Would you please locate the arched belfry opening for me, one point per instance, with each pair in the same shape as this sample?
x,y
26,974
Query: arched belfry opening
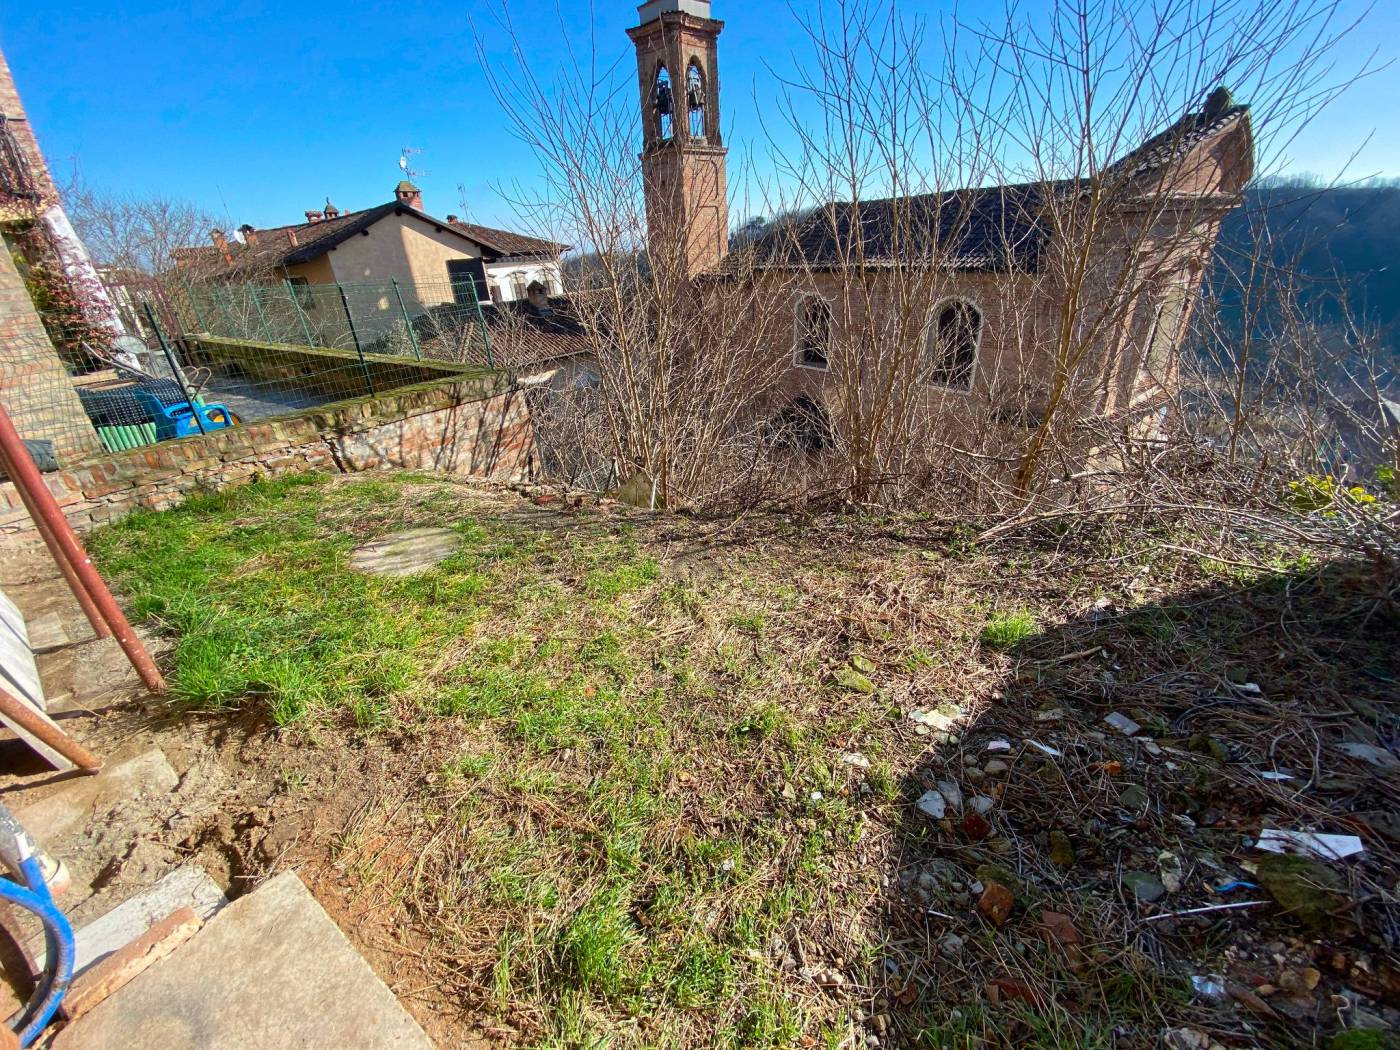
x,y
683,155
663,106
695,102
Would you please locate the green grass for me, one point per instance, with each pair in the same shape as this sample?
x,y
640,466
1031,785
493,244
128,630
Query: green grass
x,y
629,811
1008,630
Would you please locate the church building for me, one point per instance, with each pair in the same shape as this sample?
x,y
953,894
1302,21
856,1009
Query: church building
x,y
991,267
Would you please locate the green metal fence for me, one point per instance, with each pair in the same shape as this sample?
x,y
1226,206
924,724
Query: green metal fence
x,y
435,320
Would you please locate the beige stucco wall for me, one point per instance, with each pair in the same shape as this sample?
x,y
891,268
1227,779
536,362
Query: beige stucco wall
x,y
404,247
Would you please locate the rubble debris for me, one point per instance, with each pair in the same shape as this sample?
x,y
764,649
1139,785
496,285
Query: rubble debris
x,y
950,790
1376,756
1303,887
850,679
1061,850
855,758
933,804
1122,723
995,903
1146,887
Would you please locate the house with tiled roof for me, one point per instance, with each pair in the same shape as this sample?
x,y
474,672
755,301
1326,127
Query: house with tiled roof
x,y
437,260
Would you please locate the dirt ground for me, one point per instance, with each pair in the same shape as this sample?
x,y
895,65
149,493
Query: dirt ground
x,y
1072,884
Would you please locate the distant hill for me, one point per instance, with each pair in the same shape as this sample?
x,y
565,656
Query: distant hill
x,y
1346,240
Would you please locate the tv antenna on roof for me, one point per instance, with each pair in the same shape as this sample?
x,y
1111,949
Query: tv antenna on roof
x,y
409,173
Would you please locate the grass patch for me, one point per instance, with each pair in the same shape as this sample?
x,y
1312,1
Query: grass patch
x,y
1008,630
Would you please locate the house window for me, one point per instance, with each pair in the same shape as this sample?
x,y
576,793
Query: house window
x,y
519,286
952,344
812,333
468,280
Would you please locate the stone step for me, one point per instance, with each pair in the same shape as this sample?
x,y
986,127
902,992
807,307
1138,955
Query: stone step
x,y
270,970
100,828
189,886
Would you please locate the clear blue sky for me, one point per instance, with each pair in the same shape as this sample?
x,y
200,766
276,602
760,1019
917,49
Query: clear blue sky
x,y
259,110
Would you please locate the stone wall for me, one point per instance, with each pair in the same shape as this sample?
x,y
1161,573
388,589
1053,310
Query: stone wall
x,y
478,427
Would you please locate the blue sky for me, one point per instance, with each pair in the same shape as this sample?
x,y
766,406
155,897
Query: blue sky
x,y
258,111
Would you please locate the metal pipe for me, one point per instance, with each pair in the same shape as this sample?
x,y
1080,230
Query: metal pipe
x,y
350,320
175,369
24,716
412,335
75,585
262,317
481,320
301,316
26,476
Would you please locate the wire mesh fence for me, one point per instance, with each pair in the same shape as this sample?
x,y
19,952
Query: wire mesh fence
x,y
179,360
435,320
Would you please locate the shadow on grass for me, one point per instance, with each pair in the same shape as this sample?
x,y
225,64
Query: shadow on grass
x,y
1243,687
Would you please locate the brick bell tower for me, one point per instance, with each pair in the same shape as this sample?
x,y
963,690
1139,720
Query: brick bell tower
x,y
682,151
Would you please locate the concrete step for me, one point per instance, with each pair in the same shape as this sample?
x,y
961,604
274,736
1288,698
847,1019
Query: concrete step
x,y
270,970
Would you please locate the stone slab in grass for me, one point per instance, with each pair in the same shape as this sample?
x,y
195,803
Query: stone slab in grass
x,y
271,970
405,553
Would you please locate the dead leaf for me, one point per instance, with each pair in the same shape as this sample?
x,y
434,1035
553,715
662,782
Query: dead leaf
x,y
996,903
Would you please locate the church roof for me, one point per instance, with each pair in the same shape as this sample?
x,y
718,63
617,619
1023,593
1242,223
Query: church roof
x,y
989,228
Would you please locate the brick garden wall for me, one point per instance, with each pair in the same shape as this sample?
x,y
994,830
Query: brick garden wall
x,y
477,427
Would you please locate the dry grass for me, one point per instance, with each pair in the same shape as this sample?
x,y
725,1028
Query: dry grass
x,y
668,773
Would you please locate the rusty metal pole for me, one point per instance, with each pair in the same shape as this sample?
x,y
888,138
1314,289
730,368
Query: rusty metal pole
x,y
27,478
28,719
75,585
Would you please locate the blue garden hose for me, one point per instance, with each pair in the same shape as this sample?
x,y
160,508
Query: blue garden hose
x,y
58,941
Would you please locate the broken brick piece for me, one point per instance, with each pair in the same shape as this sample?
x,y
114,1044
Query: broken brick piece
x,y
113,972
996,903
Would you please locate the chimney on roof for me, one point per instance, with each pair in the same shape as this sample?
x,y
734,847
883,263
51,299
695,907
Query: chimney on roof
x,y
332,211
452,218
313,216
409,195
221,243
250,235
291,237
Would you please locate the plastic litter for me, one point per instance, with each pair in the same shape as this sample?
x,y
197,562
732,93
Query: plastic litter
x,y
1327,847
1046,748
1232,885
1209,986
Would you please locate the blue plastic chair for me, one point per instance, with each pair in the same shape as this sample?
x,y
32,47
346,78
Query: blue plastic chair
x,y
177,419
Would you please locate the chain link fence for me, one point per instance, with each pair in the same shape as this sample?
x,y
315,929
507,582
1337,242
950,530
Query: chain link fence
x,y
196,359
422,320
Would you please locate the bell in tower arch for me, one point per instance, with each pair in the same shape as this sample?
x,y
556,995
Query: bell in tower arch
x,y
695,100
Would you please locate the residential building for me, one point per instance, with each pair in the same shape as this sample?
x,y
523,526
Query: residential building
x,y
435,260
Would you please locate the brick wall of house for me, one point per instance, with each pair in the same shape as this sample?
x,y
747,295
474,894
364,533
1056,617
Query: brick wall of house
x,y
468,428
